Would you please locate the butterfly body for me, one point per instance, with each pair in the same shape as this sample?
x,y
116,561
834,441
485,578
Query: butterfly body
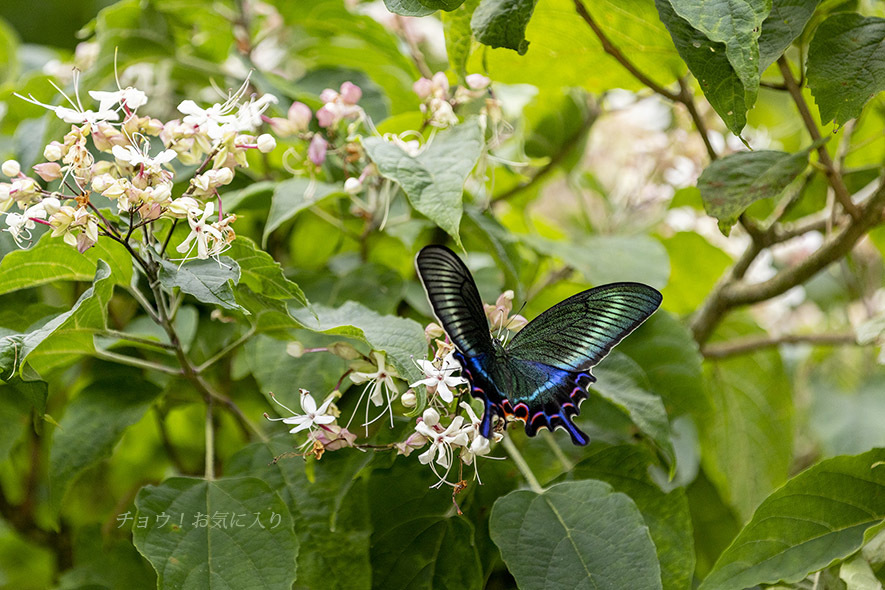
x,y
541,375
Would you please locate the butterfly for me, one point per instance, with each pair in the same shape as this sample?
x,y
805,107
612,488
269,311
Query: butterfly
x,y
541,375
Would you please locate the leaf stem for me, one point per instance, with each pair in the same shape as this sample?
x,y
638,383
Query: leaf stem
x,y
522,465
833,175
136,339
210,442
228,349
136,362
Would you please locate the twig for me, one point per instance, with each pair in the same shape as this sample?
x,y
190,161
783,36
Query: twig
x,y
613,51
833,176
522,465
414,50
228,349
135,362
136,339
739,346
687,98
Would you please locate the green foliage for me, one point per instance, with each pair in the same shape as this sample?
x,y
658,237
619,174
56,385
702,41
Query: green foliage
x,y
594,535
734,435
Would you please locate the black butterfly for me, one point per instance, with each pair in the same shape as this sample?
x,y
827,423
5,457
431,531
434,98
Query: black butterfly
x,y
541,375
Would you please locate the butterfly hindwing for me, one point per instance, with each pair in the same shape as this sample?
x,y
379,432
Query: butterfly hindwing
x,y
455,299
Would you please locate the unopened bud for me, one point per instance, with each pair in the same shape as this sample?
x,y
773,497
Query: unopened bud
x,y
53,151
11,168
409,399
352,185
266,143
295,349
48,171
344,350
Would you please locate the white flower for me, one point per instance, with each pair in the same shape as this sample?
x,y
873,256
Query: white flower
x,y
110,101
201,232
379,385
440,380
479,445
312,417
442,442
249,115
133,156
19,225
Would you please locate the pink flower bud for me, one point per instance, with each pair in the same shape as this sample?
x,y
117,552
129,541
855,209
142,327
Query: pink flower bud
x,y
477,82
48,171
325,117
440,84
317,150
423,88
299,114
350,93
328,95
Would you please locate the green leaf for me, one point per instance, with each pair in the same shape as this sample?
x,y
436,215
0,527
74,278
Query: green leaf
x,y
67,336
292,196
434,179
784,24
746,442
731,184
846,65
408,7
625,468
645,409
502,23
276,370
709,63
817,517
210,281
560,37
610,259
329,506
52,260
670,358
579,534
695,267
18,400
459,37
442,4
262,273
736,24
858,575
9,70
417,542
226,533
100,414
402,339
266,314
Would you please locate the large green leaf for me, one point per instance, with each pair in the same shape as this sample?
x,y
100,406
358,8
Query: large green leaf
x,y
784,24
328,502
408,7
402,339
736,24
560,37
66,336
695,267
18,401
502,23
645,409
417,542
577,534
292,196
52,260
610,259
262,273
119,408
817,517
226,533
277,371
670,358
746,442
731,184
709,63
434,179
210,281
459,37
625,468
846,65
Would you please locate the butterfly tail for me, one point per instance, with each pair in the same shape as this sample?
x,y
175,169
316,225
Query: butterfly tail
x,y
560,413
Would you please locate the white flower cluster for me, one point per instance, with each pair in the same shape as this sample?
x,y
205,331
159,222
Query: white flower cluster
x,y
138,178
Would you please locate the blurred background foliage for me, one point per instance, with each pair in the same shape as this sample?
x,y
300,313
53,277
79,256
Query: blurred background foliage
x,y
592,180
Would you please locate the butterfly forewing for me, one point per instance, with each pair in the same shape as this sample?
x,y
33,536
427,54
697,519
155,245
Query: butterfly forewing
x,y
455,299
577,333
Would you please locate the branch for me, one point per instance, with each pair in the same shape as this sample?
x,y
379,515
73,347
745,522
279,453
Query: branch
x,y
720,350
833,176
687,98
613,51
